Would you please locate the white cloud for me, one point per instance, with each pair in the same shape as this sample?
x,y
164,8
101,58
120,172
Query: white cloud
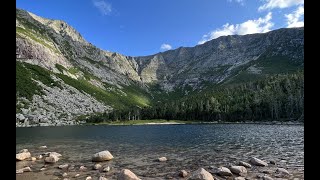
x,y
103,6
271,4
165,47
296,19
260,25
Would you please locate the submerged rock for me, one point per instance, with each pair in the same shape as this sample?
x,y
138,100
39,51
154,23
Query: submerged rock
x,y
97,166
201,174
126,174
258,162
183,173
247,165
223,171
102,156
239,170
162,159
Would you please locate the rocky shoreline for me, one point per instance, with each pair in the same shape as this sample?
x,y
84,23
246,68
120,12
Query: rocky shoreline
x,y
50,165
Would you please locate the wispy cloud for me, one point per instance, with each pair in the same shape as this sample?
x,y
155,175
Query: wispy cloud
x,y
296,18
271,4
103,6
238,1
260,25
165,47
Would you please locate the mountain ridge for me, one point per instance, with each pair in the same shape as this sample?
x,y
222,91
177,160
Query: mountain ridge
x,y
107,76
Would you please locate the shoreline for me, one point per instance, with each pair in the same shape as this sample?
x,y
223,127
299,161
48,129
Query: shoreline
x,y
167,122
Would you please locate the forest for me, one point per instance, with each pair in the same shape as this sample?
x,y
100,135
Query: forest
x,y
275,98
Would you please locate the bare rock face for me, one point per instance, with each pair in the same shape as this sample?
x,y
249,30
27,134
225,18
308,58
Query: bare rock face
x,y
126,174
201,174
102,156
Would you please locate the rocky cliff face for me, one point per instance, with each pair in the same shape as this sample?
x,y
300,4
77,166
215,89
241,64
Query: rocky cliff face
x,y
91,80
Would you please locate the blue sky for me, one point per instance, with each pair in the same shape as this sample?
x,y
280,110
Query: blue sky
x,y
145,27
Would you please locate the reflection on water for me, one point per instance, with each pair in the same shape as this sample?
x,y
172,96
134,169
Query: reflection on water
x,y
186,146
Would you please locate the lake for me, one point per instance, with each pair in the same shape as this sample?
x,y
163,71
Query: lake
x,y
187,147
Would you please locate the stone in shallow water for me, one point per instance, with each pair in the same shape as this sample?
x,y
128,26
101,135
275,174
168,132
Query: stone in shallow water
x,y
33,159
126,174
102,178
64,174
281,172
43,147
258,162
273,162
239,178
247,165
89,178
97,166
51,159
22,170
162,159
82,168
22,156
183,173
223,171
77,175
106,169
102,156
265,177
201,174
239,170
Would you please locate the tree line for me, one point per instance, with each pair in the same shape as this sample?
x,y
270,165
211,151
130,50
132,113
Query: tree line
x,y
275,98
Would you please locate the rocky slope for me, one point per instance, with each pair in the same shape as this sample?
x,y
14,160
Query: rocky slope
x,y
70,77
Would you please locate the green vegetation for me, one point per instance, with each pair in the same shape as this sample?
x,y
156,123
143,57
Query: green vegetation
x,y
60,68
278,97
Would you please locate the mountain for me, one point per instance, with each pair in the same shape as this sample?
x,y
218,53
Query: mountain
x,y
61,77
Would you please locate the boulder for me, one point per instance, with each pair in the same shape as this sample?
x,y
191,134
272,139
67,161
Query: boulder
x,y
183,173
102,156
247,165
33,158
258,162
23,155
223,171
63,166
126,174
239,170
106,169
52,153
201,174
51,159
43,147
97,166
162,159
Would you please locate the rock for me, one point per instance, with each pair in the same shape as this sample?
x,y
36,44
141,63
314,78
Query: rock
x,y
201,174
22,170
43,147
52,153
40,156
106,169
273,162
89,178
223,171
77,175
102,178
82,168
51,159
183,173
162,159
97,166
33,159
64,174
239,170
239,178
23,155
19,171
102,156
126,174
267,171
265,177
63,166
23,151
247,165
42,169
281,172
258,162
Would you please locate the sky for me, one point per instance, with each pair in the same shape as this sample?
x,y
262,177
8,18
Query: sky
x,y
145,27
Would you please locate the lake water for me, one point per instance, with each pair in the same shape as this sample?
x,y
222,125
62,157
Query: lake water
x,y
186,146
